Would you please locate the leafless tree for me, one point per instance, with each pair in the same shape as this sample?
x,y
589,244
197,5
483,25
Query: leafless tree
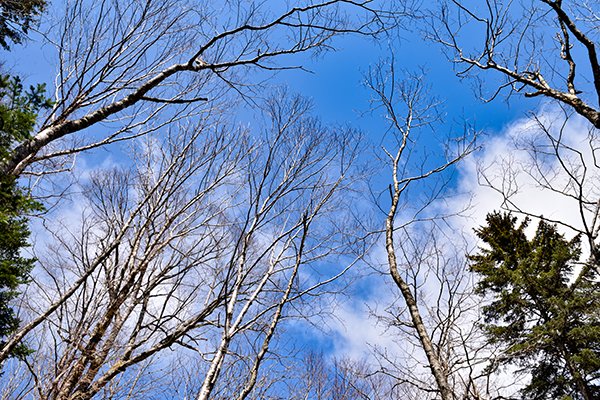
x,y
197,252
127,69
435,268
545,48
324,378
414,265
554,154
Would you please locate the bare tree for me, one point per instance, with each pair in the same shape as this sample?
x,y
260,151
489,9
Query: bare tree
x,y
409,109
159,260
124,70
199,249
544,48
555,155
435,267
325,378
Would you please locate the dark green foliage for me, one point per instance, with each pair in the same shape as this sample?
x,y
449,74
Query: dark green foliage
x,y
18,112
547,321
14,269
16,18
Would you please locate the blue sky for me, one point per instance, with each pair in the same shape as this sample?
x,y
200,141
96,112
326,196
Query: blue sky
x,y
335,87
335,84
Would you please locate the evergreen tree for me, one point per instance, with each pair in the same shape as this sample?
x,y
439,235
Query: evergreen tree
x,y
16,18
544,309
18,113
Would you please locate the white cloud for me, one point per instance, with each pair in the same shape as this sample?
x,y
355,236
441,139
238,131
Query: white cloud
x,y
519,170
519,165
357,326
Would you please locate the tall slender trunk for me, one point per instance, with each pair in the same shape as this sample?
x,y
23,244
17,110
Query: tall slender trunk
x,y
580,382
435,363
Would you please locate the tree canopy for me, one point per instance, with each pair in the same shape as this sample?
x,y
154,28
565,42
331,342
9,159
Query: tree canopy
x,y
18,112
210,231
543,307
16,18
